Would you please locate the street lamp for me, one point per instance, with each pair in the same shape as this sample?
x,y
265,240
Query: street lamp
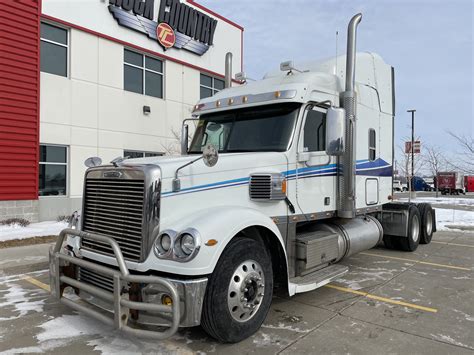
x,y
412,155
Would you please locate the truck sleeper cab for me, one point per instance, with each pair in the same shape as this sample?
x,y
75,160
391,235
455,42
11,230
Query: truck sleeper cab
x,y
283,178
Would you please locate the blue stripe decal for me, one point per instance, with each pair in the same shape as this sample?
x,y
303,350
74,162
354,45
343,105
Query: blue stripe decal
x,y
364,167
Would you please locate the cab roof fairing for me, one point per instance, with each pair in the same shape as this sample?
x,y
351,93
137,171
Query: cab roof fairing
x,y
317,81
297,87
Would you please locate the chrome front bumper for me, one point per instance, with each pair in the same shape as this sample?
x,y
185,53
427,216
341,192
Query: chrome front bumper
x,y
135,300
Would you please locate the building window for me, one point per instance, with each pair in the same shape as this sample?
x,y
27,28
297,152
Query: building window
x,y
52,170
142,74
209,86
54,49
372,148
315,132
139,154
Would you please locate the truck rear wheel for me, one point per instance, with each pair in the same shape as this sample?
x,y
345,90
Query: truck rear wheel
x,y
411,241
427,222
239,292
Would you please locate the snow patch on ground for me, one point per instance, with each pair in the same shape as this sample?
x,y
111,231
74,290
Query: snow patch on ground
x,y
40,229
447,217
448,339
23,303
61,331
441,200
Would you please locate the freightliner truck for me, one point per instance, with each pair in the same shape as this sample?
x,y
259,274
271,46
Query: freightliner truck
x,y
283,178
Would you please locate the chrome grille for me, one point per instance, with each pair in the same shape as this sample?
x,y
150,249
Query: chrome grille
x,y
260,187
94,278
114,208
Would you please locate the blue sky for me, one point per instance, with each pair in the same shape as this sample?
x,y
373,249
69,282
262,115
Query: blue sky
x,y
429,42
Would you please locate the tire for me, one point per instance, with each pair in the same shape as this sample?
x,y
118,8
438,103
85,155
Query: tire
x,y
241,264
427,222
390,242
411,241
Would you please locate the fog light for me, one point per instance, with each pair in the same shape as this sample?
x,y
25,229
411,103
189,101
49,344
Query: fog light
x,y
166,300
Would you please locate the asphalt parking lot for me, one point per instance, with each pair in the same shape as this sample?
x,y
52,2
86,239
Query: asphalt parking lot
x,y
389,302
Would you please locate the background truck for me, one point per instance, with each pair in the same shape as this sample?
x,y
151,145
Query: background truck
x,y
397,186
419,184
450,183
469,183
284,177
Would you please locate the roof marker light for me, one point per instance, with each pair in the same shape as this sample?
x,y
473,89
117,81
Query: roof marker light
x,y
230,102
244,99
218,103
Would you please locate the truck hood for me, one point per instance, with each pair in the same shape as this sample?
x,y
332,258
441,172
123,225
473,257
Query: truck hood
x,y
226,162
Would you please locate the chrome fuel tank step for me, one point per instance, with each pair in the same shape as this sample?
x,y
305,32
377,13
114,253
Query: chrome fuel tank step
x,y
316,279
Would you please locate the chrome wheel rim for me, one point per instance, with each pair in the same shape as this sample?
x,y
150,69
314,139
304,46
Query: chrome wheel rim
x,y
429,223
415,228
246,290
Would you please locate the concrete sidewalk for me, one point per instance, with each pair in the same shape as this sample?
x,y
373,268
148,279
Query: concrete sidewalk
x,y
17,260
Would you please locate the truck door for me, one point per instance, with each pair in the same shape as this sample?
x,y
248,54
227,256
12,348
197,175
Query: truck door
x,y
316,171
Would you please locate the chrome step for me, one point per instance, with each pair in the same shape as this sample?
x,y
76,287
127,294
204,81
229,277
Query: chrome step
x,y
316,279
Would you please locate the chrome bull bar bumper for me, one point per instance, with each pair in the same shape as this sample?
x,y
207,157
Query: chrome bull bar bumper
x,y
120,299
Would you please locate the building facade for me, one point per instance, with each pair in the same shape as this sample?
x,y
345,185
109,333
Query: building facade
x,y
98,78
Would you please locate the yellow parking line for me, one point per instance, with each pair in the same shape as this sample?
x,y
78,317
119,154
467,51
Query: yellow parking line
x,y
418,261
456,244
36,283
382,299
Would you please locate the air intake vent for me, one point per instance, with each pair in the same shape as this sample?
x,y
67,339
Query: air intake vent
x,y
267,187
260,187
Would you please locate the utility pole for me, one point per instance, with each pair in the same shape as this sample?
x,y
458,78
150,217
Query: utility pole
x,y
412,154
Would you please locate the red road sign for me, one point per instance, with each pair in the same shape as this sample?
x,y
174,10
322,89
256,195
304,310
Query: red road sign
x,y
416,147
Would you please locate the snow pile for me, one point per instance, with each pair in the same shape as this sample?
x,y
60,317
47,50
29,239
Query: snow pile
x,y
40,229
447,219
442,200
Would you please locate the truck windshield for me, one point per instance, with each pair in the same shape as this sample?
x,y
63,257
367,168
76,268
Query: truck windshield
x,y
255,129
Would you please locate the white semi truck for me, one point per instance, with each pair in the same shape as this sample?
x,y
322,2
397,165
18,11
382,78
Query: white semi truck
x,y
283,178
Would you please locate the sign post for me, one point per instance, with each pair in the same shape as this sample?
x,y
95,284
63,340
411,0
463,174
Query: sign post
x,y
412,146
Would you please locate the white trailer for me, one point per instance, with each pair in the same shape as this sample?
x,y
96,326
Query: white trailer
x,y
283,178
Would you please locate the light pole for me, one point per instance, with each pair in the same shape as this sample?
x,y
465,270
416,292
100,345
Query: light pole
x,y
412,155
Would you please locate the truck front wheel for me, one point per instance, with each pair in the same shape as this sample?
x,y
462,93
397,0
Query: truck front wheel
x,y
239,292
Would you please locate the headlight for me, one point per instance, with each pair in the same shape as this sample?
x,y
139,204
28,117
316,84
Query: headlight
x,y
187,244
164,243
179,247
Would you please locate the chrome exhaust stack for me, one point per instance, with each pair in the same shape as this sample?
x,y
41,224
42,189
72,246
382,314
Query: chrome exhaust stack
x,y
228,70
347,162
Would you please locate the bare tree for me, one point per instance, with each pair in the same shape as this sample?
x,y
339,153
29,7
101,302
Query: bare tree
x,y
435,161
464,161
172,146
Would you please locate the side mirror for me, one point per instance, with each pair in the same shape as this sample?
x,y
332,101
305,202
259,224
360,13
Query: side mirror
x,y
184,139
92,162
335,131
210,155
